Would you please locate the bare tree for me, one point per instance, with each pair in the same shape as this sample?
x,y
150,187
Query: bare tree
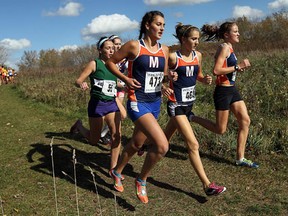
x,y
3,54
29,60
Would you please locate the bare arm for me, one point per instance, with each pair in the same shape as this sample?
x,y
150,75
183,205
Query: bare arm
x,y
207,79
222,52
128,50
80,82
166,90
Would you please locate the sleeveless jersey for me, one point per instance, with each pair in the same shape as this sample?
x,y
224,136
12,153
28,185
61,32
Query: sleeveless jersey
x,y
230,78
103,83
184,86
148,69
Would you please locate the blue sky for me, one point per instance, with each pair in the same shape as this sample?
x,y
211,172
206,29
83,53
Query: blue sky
x,y
34,25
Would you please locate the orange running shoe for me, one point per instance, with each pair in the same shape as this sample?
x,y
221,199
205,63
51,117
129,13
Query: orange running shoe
x,y
141,190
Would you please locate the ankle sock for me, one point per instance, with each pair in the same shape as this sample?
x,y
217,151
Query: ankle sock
x,y
117,174
143,182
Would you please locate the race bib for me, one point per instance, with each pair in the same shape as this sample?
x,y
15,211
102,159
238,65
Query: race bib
x,y
109,88
188,94
153,82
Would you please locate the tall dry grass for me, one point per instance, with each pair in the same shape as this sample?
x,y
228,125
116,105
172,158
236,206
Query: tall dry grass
x,y
263,86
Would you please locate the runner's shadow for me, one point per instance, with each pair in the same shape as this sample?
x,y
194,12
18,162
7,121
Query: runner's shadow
x,y
180,152
216,158
77,137
177,152
63,162
200,199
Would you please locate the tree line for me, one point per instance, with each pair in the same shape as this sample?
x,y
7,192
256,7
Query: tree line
x,y
268,34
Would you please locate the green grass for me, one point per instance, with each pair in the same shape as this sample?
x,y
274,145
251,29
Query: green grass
x,y
26,188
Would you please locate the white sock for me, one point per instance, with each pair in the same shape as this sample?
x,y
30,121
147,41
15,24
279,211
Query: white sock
x,y
104,130
241,159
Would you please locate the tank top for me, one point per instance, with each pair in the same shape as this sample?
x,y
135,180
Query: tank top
x,y
230,78
184,86
148,69
103,83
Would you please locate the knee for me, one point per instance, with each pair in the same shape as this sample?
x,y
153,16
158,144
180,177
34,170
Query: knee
x,y
116,137
245,122
193,146
163,149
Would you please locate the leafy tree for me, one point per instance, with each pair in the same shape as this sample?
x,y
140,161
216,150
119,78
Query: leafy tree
x,y
49,59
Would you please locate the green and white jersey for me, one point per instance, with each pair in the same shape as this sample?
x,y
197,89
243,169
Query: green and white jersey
x,y
103,83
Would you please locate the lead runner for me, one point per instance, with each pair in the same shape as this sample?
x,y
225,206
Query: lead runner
x,y
147,65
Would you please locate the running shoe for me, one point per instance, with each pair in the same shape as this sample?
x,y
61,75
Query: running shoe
x,y
106,140
247,163
110,174
74,129
141,193
214,189
117,181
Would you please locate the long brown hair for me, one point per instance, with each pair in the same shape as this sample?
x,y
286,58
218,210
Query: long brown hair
x,y
213,32
148,18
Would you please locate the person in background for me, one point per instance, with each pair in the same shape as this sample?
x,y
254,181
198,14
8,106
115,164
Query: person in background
x,y
121,90
147,66
1,71
103,104
226,95
186,62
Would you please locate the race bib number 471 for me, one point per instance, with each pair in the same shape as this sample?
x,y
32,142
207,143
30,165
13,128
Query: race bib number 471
x,y
153,82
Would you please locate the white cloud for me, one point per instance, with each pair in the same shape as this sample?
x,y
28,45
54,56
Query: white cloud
x,y
248,12
278,4
178,14
108,24
70,9
173,2
67,47
12,44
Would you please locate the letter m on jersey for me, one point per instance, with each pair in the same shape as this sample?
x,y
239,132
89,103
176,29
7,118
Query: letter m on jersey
x,y
189,71
153,62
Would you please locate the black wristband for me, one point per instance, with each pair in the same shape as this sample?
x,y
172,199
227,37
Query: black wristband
x,y
236,67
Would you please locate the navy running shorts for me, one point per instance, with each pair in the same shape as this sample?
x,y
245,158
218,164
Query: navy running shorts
x,y
224,96
175,109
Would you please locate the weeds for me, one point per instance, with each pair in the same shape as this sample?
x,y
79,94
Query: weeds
x,y
263,88
54,179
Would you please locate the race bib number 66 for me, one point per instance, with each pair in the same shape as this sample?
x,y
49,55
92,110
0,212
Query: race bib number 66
x,y
188,94
153,82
